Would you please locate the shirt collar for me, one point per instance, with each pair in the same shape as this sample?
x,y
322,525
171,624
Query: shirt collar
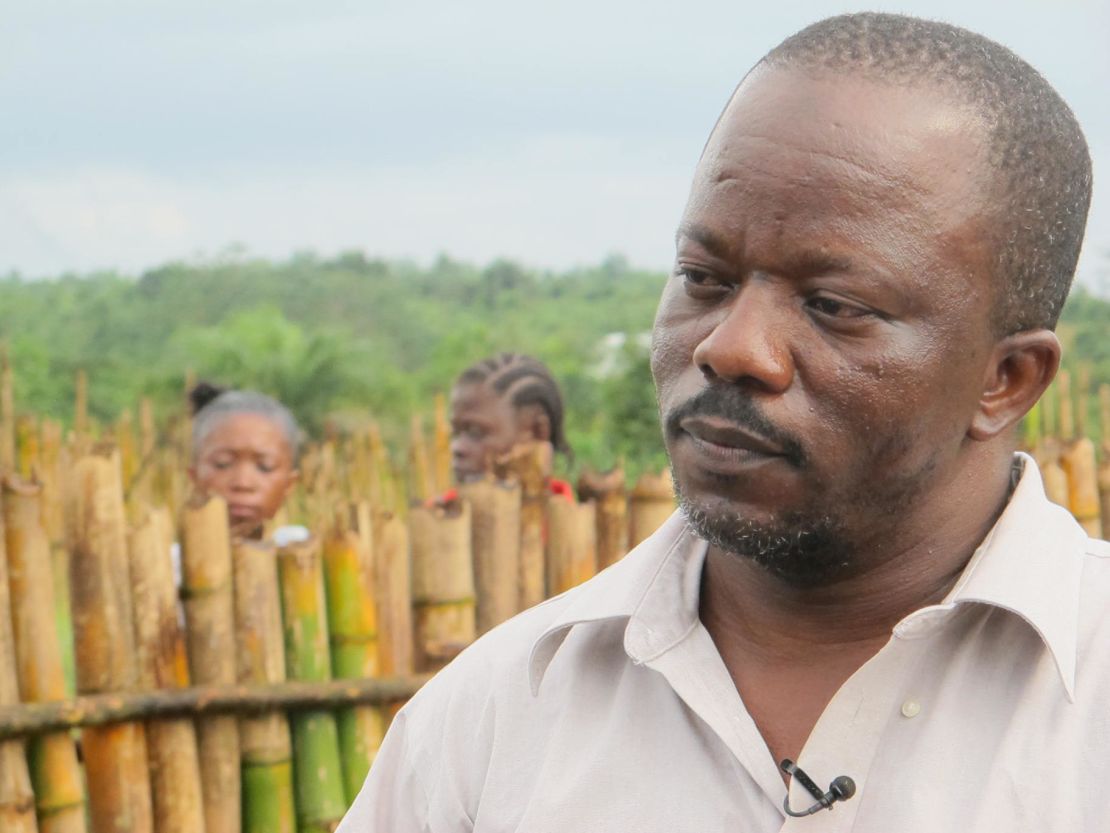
x,y
1029,564
617,592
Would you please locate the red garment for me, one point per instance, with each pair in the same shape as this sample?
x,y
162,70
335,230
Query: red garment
x,y
555,486
562,488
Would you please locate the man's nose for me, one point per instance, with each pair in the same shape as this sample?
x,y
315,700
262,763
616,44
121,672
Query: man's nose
x,y
751,343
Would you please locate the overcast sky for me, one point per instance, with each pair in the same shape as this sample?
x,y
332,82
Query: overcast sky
x,y
133,132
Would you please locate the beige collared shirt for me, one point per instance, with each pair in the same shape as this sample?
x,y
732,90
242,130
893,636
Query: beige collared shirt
x,y
609,709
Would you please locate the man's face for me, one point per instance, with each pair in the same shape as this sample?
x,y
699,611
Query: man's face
x,y
821,345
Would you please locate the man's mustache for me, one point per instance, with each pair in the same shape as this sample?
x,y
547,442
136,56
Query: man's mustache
x,y
730,403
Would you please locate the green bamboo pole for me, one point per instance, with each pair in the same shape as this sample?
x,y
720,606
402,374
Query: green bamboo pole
x,y
317,775
55,773
17,802
53,461
266,748
353,625
160,644
209,612
115,756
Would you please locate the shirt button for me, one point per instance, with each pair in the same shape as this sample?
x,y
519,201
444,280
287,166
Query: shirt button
x,y
911,708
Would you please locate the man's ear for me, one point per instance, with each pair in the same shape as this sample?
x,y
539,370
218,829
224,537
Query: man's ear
x,y
1021,367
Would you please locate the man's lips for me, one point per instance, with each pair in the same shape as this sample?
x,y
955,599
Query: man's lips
x,y
713,431
242,512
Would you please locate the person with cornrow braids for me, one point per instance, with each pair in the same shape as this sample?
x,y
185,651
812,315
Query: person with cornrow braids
x,y
500,404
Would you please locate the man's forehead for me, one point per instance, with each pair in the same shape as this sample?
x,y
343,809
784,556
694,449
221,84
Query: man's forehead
x,y
788,142
864,128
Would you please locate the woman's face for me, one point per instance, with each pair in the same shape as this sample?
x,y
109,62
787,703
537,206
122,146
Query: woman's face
x,y
483,427
246,459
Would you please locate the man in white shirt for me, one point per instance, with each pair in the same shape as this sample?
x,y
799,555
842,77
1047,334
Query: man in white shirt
x,y
864,578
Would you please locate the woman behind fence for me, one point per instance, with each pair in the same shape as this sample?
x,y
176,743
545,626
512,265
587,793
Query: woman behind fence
x,y
502,403
245,449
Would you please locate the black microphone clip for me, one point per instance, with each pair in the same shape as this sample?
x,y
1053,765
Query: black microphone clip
x,y
841,789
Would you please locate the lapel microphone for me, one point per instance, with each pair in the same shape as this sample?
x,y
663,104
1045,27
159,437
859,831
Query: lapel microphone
x,y
841,789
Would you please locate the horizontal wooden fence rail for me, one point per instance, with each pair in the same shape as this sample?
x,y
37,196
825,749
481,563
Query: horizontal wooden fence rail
x,y
100,709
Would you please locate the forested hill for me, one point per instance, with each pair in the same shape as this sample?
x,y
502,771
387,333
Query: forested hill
x,y
354,333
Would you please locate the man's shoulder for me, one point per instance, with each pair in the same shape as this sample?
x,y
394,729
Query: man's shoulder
x,y
499,665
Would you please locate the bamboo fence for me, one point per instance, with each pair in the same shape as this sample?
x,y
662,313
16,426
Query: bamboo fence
x,y
157,675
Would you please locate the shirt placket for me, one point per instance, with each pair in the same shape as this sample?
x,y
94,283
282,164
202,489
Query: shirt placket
x,y
847,736
694,670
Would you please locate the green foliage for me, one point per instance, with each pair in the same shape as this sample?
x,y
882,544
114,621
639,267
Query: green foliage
x,y
354,334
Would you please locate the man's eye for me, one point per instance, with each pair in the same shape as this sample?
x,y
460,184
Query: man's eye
x,y
833,308
701,284
221,464
266,468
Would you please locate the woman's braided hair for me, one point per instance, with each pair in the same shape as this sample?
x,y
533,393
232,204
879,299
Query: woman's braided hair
x,y
523,380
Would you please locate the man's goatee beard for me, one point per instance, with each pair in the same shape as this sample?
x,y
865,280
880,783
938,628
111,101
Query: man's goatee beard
x,y
802,550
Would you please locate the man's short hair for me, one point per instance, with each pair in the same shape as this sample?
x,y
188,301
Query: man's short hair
x,y
1041,167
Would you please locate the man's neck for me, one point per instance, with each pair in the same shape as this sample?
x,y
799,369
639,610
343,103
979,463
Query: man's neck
x,y
790,649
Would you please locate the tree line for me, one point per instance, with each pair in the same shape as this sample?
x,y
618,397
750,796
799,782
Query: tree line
x,y
336,338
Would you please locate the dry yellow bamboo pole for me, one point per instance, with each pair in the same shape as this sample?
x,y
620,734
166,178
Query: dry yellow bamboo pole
x,y
148,435
420,484
115,756
1080,466
55,773
530,464
358,469
1066,412
81,410
376,461
1050,448
265,742
28,453
651,503
1104,466
441,446
495,548
160,647
184,437
571,543
442,582
393,584
360,521
17,801
608,493
125,442
50,475
210,637
7,413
